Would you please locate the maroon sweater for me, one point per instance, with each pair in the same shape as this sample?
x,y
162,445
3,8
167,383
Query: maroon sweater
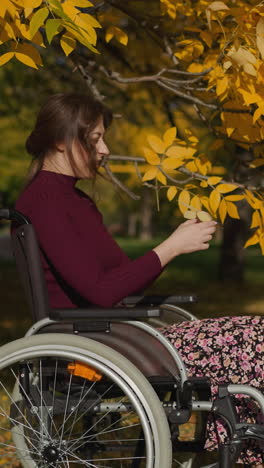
x,y
82,263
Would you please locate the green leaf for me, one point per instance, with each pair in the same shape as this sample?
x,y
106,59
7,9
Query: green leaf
x,y
38,20
52,28
55,4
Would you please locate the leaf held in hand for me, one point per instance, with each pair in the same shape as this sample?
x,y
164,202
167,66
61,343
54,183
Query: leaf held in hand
x,y
204,216
189,214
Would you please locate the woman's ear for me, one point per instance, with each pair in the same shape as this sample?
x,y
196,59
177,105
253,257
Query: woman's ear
x,y
60,147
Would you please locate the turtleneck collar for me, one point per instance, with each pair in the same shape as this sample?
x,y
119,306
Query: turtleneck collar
x,y
66,179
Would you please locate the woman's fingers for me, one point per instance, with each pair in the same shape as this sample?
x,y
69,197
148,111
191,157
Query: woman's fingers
x,y
190,221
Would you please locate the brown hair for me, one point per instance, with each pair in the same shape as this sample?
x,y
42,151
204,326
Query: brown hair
x,y
64,118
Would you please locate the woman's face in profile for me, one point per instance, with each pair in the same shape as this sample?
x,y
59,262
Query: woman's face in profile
x,y
96,137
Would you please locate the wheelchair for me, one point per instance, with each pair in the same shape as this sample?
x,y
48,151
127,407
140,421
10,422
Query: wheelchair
x,y
93,387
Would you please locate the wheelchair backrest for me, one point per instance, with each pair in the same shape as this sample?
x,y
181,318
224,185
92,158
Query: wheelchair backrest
x,y
27,256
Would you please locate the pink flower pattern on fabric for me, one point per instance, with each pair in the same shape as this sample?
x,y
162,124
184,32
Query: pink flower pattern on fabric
x,y
227,350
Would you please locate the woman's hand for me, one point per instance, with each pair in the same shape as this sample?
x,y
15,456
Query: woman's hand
x,y
190,236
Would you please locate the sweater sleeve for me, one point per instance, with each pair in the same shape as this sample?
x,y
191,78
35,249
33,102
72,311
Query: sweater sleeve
x,y
86,256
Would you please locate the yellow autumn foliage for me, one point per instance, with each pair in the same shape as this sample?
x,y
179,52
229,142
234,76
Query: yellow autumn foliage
x,y
215,62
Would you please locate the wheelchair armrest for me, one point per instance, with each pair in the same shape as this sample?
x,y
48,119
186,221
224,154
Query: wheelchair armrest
x,y
100,313
158,300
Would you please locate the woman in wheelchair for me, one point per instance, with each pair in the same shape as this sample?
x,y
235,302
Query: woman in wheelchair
x,y
83,265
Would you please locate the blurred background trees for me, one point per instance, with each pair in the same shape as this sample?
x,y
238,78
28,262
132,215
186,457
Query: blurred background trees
x,y
189,65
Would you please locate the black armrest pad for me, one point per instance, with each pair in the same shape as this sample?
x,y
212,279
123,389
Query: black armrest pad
x,y
158,300
100,313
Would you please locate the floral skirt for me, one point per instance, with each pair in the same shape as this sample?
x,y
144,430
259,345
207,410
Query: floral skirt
x,y
227,350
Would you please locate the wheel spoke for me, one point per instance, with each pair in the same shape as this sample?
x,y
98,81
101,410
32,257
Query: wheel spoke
x,y
64,420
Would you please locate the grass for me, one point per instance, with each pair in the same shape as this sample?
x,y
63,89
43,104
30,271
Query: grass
x,y
196,274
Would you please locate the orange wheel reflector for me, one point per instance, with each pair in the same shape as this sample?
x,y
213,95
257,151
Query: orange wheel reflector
x,y
83,370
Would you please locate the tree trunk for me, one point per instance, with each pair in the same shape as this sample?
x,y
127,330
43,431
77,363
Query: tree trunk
x,y
232,257
132,224
146,215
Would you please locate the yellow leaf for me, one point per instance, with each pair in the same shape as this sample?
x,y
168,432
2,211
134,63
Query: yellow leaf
x,y
229,131
205,202
150,174
68,43
260,36
204,216
84,37
184,201
32,3
180,152
169,136
222,211
83,21
172,191
204,184
156,144
222,86
193,139
189,214
250,69
201,165
172,163
121,36
161,178
234,197
70,10
249,98
109,34
261,243
243,57
214,200
195,68
7,6
9,30
81,3
151,156
196,203
253,201
256,220
26,60
28,11
191,166
225,188
6,57
214,180
257,162
252,240
217,6
258,113
28,55
3,7
232,210
207,38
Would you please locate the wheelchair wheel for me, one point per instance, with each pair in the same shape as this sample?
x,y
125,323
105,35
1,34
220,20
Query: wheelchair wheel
x,y
77,403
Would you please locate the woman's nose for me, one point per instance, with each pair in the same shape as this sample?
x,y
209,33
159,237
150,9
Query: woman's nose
x,y
103,149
